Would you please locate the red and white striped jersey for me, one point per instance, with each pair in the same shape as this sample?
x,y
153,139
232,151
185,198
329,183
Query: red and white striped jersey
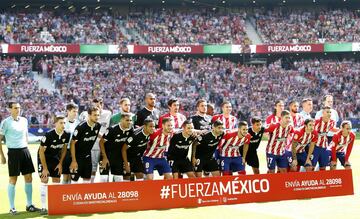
x,y
323,128
297,120
272,119
178,119
229,123
158,144
343,144
230,144
302,139
278,138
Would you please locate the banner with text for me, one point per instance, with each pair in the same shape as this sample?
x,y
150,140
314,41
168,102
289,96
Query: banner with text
x,y
158,49
196,192
338,47
287,48
43,49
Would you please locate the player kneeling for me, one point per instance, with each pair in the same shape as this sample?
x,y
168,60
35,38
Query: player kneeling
x,y
51,155
341,146
179,149
229,148
302,137
154,155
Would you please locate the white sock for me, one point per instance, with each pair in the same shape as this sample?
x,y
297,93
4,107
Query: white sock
x,y
74,182
92,178
86,181
118,178
142,179
104,178
43,194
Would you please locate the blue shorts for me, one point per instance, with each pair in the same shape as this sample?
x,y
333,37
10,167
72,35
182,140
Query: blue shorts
x,y
160,164
280,161
301,158
288,155
341,157
233,164
322,156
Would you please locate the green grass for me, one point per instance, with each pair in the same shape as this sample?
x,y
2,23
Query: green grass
x,y
331,207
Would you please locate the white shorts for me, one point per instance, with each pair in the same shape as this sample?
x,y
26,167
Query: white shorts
x,y
95,158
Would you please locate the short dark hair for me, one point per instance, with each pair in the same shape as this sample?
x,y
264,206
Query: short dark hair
x,y
71,106
346,122
166,119
276,103
326,96
11,103
58,117
285,113
199,102
292,102
325,107
255,120
124,115
307,121
98,100
171,101
92,108
217,123
242,123
148,121
187,122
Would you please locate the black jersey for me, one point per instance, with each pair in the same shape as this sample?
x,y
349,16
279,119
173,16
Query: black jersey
x,y
115,137
201,122
54,142
137,143
85,137
255,138
179,146
141,115
208,145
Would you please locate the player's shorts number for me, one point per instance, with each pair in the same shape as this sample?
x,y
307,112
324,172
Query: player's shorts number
x,y
270,160
147,165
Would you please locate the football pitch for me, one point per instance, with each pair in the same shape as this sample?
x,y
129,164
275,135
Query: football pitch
x,y
331,207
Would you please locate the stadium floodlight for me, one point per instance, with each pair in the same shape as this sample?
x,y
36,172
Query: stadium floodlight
x,y
70,7
254,1
27,6
83,7
98,0
42,6
193,2
223,2
163,2
56,7
13,6
97,7
131,1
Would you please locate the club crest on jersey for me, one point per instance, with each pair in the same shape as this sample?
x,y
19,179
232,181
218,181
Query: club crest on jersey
x,y
75,132
63,140
43,139
130,140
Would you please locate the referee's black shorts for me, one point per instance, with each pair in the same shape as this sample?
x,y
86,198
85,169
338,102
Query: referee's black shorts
x,y
19,161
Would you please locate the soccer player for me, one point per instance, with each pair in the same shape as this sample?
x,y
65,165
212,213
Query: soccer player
x,y
111,144
179,149
229,148
201,120
134,148
323,125
51,155
229,121
276,116
256,131
302,137
71,122
203,158
275,149
307,108
148,111
82,142
124,108
341,145
174,114
104,121
15,130
154,155
328,100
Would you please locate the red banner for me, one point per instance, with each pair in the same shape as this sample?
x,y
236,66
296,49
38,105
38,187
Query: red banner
x,y
44,48
289,48
165,194
158,49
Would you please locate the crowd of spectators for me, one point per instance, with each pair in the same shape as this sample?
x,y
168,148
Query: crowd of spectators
x,y
252,90
286,25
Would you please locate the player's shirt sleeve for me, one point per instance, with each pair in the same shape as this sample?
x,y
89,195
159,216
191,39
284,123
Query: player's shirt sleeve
x,y
350,146
297,136
108,134
2,128
333,144
318,114
315,136
77,133
160,122
271,128
247,138
44,142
